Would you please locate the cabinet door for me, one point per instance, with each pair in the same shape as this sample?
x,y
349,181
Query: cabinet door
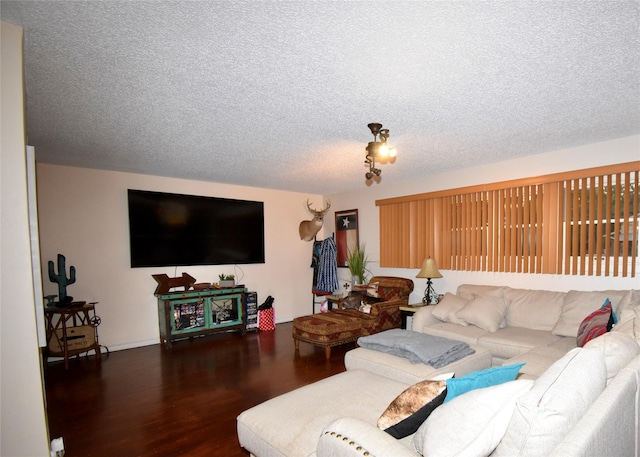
x,y
188,315
226,310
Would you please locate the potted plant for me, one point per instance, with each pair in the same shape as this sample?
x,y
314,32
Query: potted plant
x,y
357,263
226,280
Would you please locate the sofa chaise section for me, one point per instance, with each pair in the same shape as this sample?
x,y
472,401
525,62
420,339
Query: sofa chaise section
x,y
608,427
338,415
290,424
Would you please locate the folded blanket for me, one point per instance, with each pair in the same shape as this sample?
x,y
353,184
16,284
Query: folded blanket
x,y
417,347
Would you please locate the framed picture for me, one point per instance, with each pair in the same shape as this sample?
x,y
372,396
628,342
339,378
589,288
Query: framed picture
x,y
346,234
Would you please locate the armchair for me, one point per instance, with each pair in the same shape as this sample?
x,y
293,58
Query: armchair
x,y
341,326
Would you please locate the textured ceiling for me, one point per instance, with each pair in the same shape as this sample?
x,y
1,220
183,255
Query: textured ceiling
x,y
279,94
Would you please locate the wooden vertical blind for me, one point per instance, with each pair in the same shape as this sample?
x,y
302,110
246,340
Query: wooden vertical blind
x,y
582,222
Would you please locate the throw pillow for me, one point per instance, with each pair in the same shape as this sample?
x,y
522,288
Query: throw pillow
x,y
485,312
629,323
595,324
480,379
554,405
412,407
365,309
577,305
472,424
372,290
618,347
470,291
629,301
447,308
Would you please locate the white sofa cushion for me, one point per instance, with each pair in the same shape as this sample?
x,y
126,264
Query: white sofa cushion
x,y
469,333
629,324
566,343
472,424
630,300
447,308
540,358
619,349
578,305
510,341
534,309
536,360
403,370
610,426
555,403
291,423
485,312
469,291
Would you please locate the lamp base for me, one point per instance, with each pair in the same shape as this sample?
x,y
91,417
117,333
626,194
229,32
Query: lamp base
x,y
430,296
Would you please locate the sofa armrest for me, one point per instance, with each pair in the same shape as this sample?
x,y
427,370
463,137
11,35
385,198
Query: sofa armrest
x,y
351,437
422,318
389,306
613,413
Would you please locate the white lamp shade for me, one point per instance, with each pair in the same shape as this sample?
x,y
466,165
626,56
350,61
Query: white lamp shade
x,y
429,269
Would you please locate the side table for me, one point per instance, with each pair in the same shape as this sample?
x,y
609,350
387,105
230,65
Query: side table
x,y
72,331
334,300
320,297
409,311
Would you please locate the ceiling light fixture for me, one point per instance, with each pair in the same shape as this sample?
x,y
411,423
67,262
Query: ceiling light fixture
x,y
377,149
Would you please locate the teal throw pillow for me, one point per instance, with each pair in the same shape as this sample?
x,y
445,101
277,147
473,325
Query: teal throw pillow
x,y
479,379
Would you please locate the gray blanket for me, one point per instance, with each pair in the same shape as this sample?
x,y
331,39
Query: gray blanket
x,y
417,347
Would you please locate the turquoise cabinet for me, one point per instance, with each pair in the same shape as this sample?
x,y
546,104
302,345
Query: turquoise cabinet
x,y
202,312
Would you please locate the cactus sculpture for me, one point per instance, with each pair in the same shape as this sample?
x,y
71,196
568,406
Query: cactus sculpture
x,y
61,278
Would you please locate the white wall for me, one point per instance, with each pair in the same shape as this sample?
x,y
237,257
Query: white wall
x,y
592,155
84,216
23,425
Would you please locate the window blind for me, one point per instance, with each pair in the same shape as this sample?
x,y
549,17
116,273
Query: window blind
x,y
579,222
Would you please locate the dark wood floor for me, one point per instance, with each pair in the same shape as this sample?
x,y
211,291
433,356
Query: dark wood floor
x,y
184,400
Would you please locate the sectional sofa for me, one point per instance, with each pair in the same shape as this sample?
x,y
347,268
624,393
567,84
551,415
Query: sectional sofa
x,y
567,400
514,325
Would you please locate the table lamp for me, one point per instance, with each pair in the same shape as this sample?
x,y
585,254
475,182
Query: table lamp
x,y
429,270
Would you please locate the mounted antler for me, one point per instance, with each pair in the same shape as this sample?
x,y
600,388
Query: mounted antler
x,y
309,229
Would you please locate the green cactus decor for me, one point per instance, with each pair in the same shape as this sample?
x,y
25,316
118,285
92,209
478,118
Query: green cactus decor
x,y
61,277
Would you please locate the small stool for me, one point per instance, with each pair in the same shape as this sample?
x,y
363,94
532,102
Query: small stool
x,y
326,330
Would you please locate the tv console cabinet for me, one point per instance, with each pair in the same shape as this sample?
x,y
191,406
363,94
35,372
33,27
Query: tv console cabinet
x,y
200,312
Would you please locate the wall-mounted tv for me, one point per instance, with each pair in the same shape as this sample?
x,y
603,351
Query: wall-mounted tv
x,y
176,230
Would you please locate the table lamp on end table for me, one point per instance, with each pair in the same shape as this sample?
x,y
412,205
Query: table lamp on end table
x,y
429,270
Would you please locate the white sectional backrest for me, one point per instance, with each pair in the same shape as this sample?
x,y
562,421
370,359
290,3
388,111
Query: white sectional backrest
x,y
533,309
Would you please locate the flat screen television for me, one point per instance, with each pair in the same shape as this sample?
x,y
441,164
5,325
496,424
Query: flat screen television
x,y
176,230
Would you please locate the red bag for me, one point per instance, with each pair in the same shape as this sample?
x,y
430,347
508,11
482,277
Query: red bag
x,y
267,320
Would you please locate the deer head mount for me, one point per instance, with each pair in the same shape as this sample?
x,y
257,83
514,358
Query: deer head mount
x,y
309,229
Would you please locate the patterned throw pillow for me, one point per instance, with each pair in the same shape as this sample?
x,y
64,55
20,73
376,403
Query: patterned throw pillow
x,y
411,408
372,290
595,324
